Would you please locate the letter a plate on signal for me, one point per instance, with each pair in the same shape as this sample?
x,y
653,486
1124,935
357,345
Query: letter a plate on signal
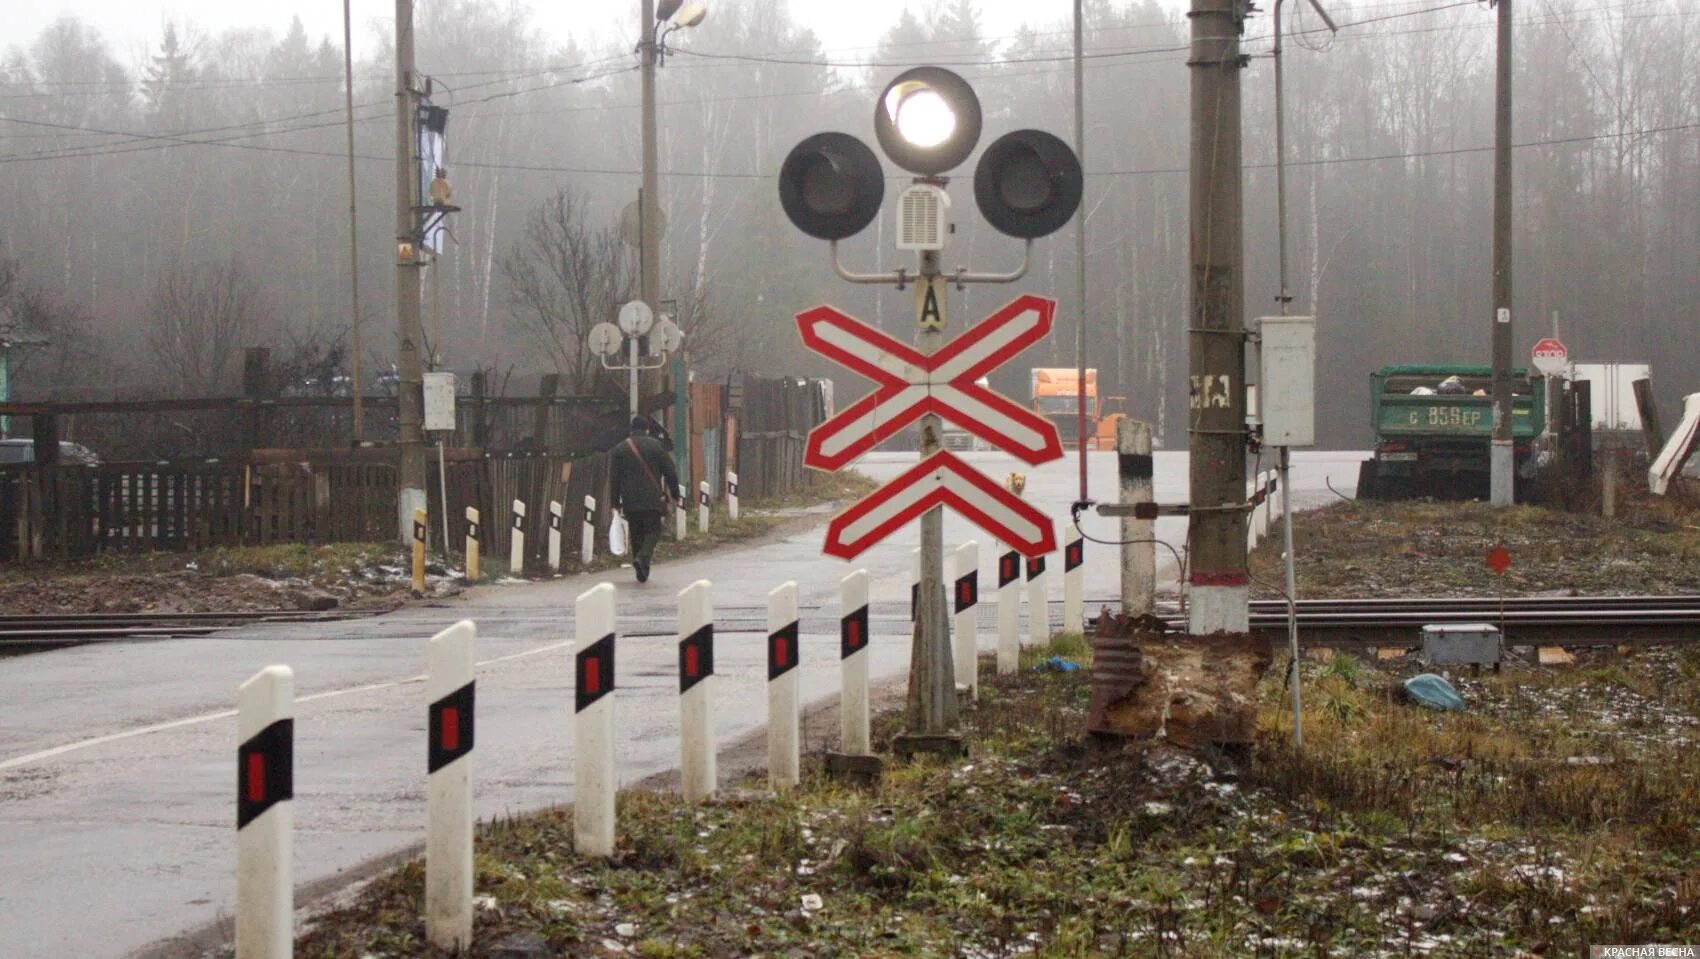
x,y
941,479
911,384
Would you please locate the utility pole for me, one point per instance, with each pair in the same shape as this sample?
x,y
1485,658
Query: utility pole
x,y
353,225
649,199
411,402
1080,237
1217,432
1502,459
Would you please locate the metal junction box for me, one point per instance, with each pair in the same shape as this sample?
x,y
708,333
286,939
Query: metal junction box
x,y
1462,644
1288,380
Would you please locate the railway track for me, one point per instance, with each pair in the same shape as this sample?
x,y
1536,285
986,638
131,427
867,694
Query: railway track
x,y
1523,620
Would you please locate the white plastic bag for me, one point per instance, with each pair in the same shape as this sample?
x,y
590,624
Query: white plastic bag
x,y
618,535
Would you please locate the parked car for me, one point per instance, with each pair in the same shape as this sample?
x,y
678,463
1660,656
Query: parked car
x,y
17,451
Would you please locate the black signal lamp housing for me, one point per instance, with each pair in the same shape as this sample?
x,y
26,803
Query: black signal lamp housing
x,y
1028,184
928,120
831,186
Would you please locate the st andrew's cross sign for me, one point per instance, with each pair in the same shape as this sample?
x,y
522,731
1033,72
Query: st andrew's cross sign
x,y
909,385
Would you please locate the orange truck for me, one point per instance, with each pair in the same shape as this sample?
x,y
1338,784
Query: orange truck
x,y
1056,396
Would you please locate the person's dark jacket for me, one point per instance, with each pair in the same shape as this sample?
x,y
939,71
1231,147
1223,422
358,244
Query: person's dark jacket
x,y
631,488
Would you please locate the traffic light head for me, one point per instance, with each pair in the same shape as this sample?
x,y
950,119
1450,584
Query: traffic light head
x,y
928,120
831,186
1028,184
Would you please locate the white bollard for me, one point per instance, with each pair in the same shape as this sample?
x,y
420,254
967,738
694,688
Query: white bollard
x,y
1009,612
265,815
732,495
557,515
966,597
696,714
681,522
703,504
593,724
1038,602
448,796
1074,581
784,759
587,533
853,727
516,541
473,537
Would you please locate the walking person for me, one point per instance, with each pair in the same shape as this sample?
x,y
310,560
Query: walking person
x,y
644,487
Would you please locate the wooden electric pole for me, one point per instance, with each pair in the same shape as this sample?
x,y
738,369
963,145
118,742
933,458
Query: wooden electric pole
x,y
411,401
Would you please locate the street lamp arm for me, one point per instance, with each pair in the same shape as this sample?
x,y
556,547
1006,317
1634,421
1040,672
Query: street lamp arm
x,y
900,277
963,277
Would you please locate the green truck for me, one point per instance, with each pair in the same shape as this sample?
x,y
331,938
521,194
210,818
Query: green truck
x,y
1433,425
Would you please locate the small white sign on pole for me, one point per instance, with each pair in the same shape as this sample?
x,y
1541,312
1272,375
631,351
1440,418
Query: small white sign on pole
x,y
439,402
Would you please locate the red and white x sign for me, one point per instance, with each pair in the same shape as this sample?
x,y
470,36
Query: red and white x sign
x,y
941,479
913,384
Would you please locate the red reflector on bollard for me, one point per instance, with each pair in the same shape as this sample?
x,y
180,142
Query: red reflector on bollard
x,y
592,676
256,777
692,664
449,728
781,652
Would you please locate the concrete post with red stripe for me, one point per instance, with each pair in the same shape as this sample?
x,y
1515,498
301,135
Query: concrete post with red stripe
x,y
516,541
1074,581
696,670
703,505
784,756
1009,612
557,516
1038,602
587,532
593,724
853,725
448,793
965,596
265,815
732,495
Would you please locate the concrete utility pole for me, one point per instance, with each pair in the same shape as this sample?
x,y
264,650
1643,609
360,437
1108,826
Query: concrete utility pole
x,y
411,402
1502,461
649,200
1217,432
353,224
1080,237
932,707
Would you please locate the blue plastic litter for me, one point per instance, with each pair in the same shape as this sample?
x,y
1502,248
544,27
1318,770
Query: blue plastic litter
x,y
1057,664
1434,692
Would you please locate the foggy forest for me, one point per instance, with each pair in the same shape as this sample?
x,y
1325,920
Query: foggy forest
x,y
160,213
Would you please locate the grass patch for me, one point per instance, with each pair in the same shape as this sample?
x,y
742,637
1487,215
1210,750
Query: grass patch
x,y
1396,832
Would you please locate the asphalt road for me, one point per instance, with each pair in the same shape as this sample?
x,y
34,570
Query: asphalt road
x,y
117,760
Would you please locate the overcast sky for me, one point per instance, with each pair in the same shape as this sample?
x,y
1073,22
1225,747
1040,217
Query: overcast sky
x,y
129,25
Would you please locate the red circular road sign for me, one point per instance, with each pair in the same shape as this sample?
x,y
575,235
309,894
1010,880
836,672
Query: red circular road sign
x,y
1550,356
1499,559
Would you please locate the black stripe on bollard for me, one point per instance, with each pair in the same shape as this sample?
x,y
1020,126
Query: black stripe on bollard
x,y
702,498
595,673
554,521
853,633
265,771
1074,555
450,725
1009,568
519,521
1135,465
472,532
589,516
967,592
1035,567
696,657
418,532
782,651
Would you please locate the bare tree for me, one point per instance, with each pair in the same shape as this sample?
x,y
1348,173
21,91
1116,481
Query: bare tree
x,y
564,277
197,320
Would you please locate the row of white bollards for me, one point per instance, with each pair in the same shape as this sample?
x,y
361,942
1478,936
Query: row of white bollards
x,y
265,725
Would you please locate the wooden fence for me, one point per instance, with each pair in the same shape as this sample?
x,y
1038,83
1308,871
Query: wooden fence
x,y
772,430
